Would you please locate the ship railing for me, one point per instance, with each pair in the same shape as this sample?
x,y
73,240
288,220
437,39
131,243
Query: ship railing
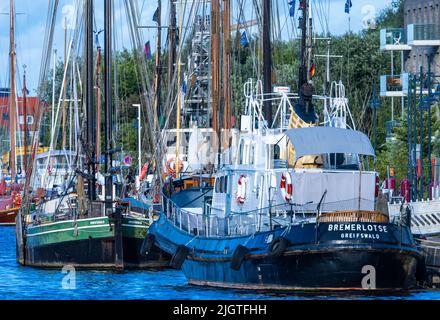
x,y
213,222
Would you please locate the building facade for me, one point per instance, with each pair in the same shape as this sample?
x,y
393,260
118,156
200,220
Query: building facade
x,y
32,105
423,12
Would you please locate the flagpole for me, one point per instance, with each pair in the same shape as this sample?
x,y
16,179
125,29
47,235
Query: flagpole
x,y
349,22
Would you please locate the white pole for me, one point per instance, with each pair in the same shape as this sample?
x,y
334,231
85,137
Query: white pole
x,y
402,68
53,88
138,182
392,75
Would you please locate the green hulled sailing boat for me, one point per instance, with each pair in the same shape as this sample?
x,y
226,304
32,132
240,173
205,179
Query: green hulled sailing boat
x,y
77,226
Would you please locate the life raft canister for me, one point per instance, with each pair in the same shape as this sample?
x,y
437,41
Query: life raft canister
x,y
286,186
241,190
171,166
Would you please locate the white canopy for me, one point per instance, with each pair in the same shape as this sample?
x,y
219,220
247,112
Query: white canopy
x,y
323,140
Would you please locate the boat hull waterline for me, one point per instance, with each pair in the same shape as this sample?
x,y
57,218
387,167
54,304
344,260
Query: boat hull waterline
x,y
89,243
387,263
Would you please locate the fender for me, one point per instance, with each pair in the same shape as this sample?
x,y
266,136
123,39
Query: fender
x,y
147,245
179,257
277,247
238,257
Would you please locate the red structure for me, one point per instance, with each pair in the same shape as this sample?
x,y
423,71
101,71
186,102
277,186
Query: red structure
x,y
32,104
405,189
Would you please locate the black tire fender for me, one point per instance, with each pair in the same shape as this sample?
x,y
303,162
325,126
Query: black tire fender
x,y
179,257
147,245
277,247
238,257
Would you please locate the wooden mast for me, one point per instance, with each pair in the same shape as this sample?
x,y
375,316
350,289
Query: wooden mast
x,y
179,78
108,105
267,60
98,106
172,44
90,103
25,142
108,111
304,108
302,79
158,65
226,71
215,62
64,135
12,94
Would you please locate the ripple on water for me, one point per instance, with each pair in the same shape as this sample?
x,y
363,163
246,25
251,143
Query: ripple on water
x,y
23,283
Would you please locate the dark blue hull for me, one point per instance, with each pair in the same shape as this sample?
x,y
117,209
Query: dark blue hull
x,y
361,256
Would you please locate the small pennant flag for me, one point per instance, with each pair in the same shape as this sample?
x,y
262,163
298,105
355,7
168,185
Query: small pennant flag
x,y
244,40
348,6
292,8
313,71
156,16
148,50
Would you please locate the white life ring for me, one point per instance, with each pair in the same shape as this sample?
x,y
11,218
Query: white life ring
x,y
241,189
286,186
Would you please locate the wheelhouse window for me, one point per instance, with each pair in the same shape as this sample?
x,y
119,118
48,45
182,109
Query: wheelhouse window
x,y
221,184
276,152
343,161
241,152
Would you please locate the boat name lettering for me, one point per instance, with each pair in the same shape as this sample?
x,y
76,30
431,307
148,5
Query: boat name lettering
x,y
357,227
97,222
360,236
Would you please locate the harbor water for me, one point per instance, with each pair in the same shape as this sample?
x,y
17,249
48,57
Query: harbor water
x,y
24,283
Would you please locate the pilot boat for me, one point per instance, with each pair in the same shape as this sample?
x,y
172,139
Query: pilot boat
x,y
295,212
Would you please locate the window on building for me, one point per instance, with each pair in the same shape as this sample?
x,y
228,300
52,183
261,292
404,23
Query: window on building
x,y
30,120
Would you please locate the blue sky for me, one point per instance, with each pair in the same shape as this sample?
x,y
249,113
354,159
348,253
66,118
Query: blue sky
x,y
30,27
